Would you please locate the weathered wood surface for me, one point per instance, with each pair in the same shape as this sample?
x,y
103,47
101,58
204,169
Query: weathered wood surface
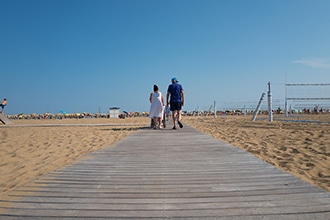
x,y
169,174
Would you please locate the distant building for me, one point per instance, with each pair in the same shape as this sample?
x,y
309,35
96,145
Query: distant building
x,y
114,112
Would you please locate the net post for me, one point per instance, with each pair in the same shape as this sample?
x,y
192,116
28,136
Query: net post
x,y
215,110
270,112
258,107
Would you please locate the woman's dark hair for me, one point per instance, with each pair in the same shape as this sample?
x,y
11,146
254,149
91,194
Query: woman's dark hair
x,y
155,88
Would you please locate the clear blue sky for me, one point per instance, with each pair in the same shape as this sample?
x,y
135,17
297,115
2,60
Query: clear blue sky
x,y
86,55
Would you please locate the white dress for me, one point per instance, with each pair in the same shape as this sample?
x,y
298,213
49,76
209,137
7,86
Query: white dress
x,y
156,108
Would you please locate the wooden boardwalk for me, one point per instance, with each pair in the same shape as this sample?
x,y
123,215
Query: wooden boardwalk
x,y
169,174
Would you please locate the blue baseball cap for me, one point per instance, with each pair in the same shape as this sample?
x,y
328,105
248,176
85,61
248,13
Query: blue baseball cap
x,y
174,79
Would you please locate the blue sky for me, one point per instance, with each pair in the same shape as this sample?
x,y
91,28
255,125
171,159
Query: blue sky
x,y
89,55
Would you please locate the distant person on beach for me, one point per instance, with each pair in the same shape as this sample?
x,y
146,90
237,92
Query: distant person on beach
x,y
175,98
157,107
3,104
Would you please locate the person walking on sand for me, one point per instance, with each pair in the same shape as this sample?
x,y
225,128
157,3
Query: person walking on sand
x,y
175,98
157,107
3,104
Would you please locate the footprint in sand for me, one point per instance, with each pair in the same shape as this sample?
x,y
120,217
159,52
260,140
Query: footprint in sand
x,y
283,148
295,151
307,166
322,175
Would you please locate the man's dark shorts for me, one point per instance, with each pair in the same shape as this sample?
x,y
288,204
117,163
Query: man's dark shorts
x,y
176,106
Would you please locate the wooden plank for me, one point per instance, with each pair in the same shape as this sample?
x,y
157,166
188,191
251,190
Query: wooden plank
x,y
169,173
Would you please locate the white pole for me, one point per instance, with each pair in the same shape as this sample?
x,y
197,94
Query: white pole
x,y
290,110
215,110
258,107
286,108
208,112
286,99
270,111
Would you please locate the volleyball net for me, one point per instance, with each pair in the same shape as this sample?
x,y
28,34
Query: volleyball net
x,y
307,97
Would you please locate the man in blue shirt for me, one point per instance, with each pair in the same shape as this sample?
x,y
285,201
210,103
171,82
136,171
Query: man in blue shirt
x,y
175,98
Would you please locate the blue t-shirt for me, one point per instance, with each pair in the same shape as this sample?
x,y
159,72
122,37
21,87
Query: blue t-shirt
x,y
175,90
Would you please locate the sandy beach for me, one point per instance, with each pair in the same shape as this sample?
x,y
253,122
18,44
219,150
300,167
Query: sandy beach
x,y
299,145
37,147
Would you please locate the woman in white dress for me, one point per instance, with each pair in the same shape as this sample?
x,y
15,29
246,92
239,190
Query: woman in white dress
x,y
157,107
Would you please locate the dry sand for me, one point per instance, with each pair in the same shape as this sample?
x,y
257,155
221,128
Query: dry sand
x,y
299,146
27,152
